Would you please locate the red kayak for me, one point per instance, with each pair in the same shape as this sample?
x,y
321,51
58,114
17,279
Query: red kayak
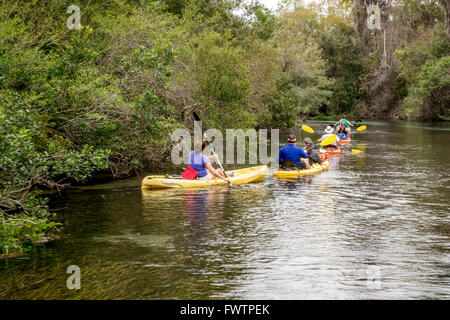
x,y
345,140
330,151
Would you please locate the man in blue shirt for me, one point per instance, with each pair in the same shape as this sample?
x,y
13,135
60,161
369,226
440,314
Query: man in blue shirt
x,y
289,155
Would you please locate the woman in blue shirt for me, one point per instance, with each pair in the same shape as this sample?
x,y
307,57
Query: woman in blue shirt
x,y
202,164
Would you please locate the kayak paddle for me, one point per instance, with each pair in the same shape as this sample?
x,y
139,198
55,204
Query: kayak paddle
x,y
354,151
197,118
327,141
361,128
307,128
331,139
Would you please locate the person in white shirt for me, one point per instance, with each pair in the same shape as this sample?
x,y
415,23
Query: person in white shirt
x,y
329,132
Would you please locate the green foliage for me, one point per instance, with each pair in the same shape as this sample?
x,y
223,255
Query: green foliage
x,y
343,62
430,46
30,158
425,71
265,23
220,69
303,86
221,73
418,12
175,6
430,98
21,230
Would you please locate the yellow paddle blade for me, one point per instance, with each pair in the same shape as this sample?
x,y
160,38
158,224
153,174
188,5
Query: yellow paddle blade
x,y
356,151
328,140
361,128
361,147
307,129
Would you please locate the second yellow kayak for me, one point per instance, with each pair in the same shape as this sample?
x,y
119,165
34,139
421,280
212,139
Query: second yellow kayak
x,y
296,173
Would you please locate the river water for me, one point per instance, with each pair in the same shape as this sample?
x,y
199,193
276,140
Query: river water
x,y
375,226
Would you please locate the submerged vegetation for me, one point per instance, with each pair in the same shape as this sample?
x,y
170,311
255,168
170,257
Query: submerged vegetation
x,y
107,96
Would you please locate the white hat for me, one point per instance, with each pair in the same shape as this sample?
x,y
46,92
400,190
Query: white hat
x,y
329,129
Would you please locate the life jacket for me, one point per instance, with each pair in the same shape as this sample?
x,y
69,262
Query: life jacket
x,y
342,133
190,173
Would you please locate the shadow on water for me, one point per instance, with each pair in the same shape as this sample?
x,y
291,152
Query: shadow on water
x,y
140,244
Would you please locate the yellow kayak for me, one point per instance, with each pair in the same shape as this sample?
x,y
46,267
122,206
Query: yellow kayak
x,y
296,173
239,176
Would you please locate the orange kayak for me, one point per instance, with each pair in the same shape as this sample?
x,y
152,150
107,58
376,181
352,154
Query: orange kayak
x,y
346,140
330,151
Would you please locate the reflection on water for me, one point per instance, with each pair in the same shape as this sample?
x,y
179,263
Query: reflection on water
x,y
375,225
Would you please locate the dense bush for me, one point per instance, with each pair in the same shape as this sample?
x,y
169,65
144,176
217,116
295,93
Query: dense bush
x,y
30,157
430,98
73,102
425,69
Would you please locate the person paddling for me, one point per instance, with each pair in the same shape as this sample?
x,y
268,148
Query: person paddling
x,y
289,156
202,164
329,132
346,122
313,155
342,131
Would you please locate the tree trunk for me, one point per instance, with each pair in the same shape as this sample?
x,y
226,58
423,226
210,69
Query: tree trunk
x,y
446,6
360,23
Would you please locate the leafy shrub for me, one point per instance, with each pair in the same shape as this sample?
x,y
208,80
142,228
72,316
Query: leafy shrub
x,y
430,98
425,73
29,158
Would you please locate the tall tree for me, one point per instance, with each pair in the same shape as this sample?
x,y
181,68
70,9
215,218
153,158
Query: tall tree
x,y
446,6
359,21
